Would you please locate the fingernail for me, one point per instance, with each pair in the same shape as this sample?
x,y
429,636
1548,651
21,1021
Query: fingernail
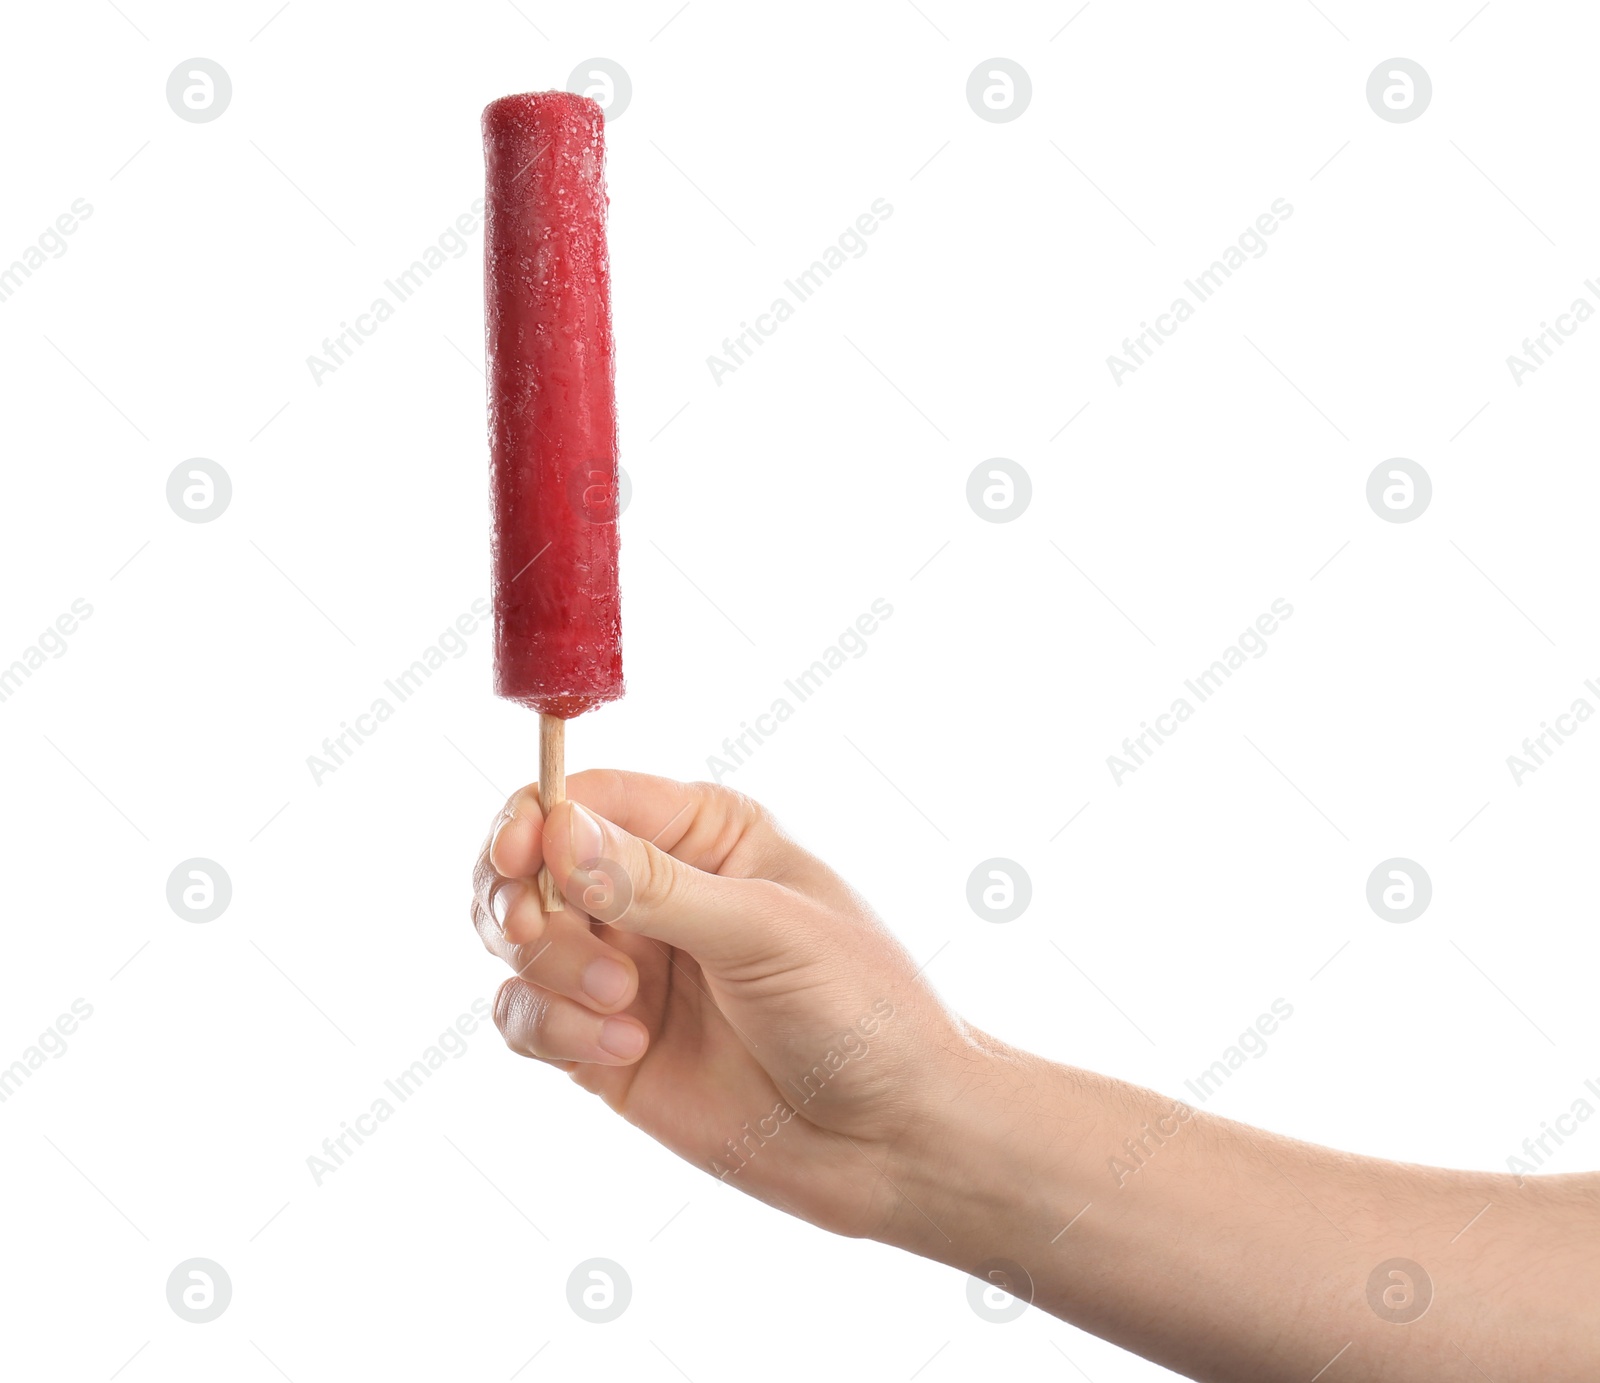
x,y
504,899
622,1040
605,980
588,843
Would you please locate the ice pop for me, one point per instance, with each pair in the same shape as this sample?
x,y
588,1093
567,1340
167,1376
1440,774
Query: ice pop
x,y
552,416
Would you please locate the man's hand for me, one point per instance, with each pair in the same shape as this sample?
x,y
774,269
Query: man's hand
x,y
733,998
737,1001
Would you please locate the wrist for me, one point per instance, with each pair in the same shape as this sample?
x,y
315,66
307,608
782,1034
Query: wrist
x,y
994,1165
1085,1184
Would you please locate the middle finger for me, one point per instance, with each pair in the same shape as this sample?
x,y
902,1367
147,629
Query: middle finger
x,y
568,959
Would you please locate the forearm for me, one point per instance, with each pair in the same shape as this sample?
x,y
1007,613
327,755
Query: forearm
x,y
1227,1253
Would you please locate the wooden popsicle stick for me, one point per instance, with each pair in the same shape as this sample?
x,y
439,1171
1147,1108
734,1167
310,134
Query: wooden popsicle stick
x,y
552,789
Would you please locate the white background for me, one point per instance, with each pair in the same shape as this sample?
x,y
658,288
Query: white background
x,y
769,512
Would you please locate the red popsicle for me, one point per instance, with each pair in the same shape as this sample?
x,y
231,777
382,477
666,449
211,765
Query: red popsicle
x,y
552,416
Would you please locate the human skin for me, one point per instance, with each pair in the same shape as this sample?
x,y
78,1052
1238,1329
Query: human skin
x,y
740,1003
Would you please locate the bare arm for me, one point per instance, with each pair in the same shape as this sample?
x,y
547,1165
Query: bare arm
x,y
1227,1253
739,1002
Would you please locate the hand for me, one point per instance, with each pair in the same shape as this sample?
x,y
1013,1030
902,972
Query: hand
x,y
737,1001
733,997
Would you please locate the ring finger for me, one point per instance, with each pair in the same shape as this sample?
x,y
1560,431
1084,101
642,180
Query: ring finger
x,y
550,1027
569,959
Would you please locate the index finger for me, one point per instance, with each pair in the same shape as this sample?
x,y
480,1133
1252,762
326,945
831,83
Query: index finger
x,y
712,828
516,844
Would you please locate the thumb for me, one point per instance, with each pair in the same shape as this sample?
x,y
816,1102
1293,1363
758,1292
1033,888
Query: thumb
x,y
637,887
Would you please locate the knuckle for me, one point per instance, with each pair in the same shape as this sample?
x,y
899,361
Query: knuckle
x,y
728,804
483,872
657,881
523,802
483,924
520,1011
504,997
729,819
